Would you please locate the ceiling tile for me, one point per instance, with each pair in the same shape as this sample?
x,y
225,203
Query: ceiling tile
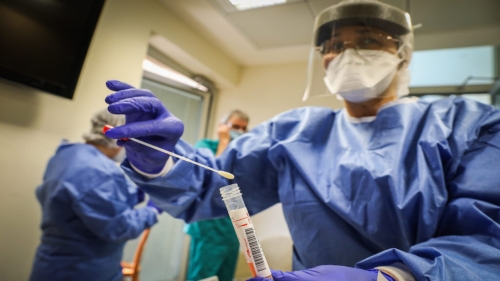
x,y
276,26
319,5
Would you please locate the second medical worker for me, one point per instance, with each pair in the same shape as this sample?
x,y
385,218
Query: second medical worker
x,y
88,209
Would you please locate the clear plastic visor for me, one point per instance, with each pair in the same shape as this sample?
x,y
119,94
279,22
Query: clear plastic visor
x,y
359,38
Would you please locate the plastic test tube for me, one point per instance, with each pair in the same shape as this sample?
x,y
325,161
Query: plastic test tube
x,y
243,226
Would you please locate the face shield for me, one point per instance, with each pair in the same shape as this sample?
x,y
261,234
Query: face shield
x,y
358,47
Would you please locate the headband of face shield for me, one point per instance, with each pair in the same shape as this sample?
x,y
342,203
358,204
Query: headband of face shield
x,y
358,47
99,119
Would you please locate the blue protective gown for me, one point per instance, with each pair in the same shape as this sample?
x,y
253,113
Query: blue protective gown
x,y
87,205
419,184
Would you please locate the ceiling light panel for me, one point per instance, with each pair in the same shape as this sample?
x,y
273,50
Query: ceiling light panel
x,y
252,4
238,6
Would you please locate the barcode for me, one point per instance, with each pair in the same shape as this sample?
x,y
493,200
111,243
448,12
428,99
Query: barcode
x,y
258,259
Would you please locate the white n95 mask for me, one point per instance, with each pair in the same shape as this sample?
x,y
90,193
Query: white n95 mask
x,y
361,75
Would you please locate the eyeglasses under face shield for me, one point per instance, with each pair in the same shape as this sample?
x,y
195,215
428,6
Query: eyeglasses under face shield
x,y
359,38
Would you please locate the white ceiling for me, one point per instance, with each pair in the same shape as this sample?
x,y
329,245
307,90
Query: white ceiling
x,y
282,33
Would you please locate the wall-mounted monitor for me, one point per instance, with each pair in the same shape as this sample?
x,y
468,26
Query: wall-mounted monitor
x,y
43,43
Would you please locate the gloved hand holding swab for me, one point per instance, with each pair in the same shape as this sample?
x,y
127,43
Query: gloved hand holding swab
x,y
222,173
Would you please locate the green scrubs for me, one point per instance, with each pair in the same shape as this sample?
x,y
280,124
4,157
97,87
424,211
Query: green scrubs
x,y
214,244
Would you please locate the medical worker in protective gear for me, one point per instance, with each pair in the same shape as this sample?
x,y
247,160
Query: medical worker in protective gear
x,y
88,209
400,187
216,236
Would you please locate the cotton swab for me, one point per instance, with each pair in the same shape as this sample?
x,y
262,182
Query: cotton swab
x,y
222,173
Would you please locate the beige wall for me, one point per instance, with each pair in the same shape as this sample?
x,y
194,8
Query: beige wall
x,y
33,123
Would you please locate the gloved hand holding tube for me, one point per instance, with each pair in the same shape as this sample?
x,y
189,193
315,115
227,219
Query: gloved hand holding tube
x,y
147,119
328,273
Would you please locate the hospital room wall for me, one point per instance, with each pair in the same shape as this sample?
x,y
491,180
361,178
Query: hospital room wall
x,y
33,123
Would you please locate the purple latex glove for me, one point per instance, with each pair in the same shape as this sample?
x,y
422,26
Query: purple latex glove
x,y
148,120
152,205
326,273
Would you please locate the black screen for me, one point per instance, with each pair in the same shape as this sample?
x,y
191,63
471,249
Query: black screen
x,y
43,43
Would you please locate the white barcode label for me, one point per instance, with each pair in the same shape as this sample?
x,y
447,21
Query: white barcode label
x,y
258,258
249,242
